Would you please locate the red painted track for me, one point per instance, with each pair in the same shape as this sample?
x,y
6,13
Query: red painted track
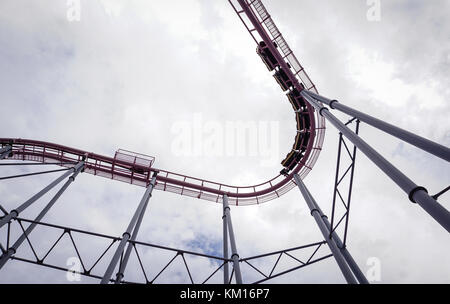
x,y
138,170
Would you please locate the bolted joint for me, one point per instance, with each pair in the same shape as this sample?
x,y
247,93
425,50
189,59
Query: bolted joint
x,y
321,109
151,182
85,156
413,191
331,103
78,167
126,234
8,253
14,213
312,210
341,246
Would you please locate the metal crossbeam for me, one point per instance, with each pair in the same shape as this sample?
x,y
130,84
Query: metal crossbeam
x,y
15,213
337,254
88,270
349,174
32,174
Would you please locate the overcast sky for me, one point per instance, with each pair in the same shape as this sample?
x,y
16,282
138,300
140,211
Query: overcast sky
x,y
126,74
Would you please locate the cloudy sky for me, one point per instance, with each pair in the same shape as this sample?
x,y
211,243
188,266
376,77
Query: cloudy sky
x,y
126,74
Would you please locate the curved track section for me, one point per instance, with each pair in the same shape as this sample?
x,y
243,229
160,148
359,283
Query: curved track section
x,y
138,169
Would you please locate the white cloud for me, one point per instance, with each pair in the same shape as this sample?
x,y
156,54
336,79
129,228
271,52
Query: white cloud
x,y
112,7
105,83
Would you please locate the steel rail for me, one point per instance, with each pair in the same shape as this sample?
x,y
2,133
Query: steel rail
x,y
39,151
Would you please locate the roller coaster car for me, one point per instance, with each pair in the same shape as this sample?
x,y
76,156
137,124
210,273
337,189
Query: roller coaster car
x,y
296,100
295,93
266,55
293,99
299,119
283,79
298,157
307,120
288,160
298,141
306,137
284,172
291,160
302,103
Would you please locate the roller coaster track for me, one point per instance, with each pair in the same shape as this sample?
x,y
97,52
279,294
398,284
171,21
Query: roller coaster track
x,y
137,169
310,111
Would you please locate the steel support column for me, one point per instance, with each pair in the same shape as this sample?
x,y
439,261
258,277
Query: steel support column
x,y
415,193
4,151
126,257
234,254
411,138
12,250
226,274
348,275
126,236
347,256
15,213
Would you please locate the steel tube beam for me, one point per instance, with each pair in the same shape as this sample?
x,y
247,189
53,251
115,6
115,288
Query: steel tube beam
x,y
348,275
33,174
352,174
411,138
415,193
4,151
126,257
127,234
347,256
13,249
234,254
15,213
226,273
336,179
